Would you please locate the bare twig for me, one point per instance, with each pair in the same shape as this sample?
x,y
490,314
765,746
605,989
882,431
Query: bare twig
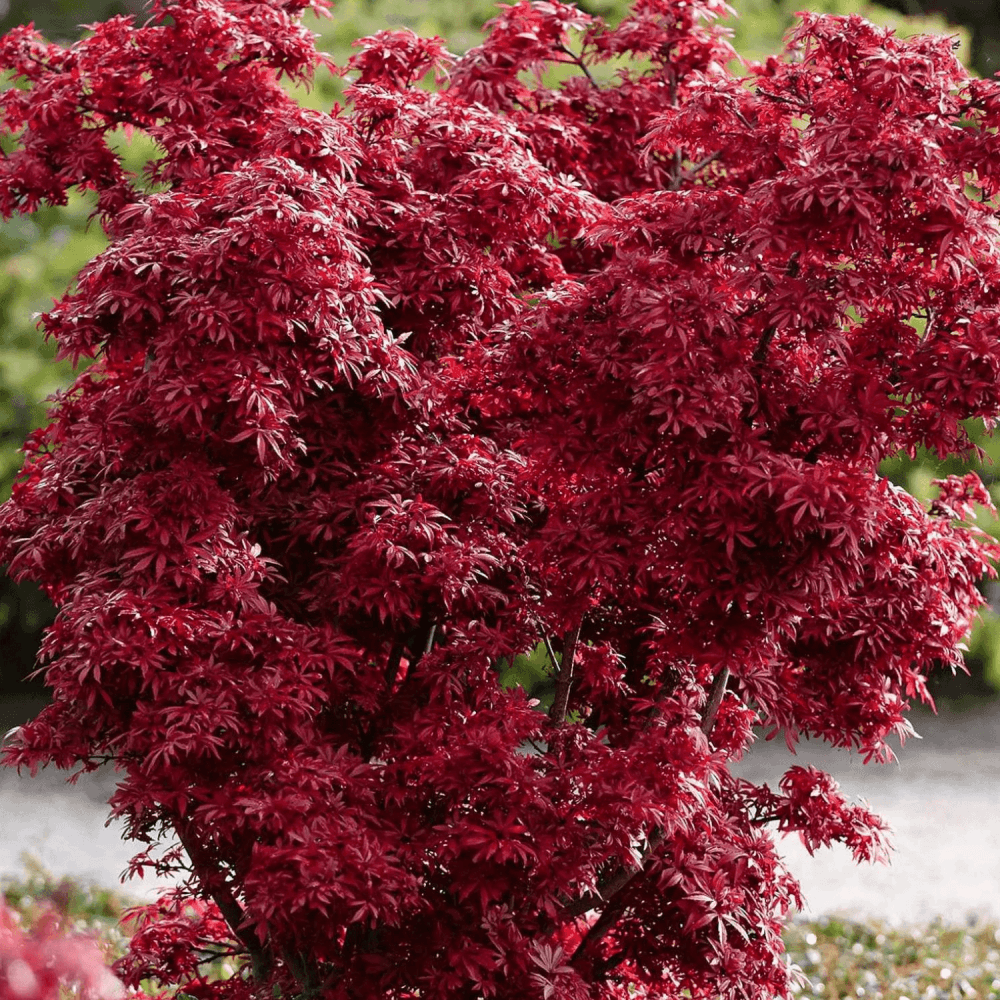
x,y
564,678
392,667
429,644
715,695
611,887
548,649
227,903
615,896
579,62
701,164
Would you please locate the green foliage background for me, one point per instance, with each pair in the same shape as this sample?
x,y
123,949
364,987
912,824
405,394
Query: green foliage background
x,y
40,255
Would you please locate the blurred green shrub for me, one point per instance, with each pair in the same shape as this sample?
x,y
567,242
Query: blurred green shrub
x,y
916,476
39,258
761,24
60,20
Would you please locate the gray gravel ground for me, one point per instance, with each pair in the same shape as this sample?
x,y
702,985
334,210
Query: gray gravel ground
x,y
942,800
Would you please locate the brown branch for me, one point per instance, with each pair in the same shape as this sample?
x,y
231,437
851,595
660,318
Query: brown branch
x,y
779,98
715,696
611,962
599,929
392,667
549,650
759,357
227,903
676,174
579,62
611,887
564,679
429,644
420,645
760,353
615,882
701,164
614,893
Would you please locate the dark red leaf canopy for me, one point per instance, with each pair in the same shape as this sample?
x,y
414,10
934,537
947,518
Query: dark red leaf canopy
x,y
384,399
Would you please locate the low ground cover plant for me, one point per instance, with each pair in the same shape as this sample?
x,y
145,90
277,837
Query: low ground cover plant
x,y
837,957
843,958
463,475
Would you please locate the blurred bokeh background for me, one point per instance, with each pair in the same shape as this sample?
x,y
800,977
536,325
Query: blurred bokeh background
x,y
41,254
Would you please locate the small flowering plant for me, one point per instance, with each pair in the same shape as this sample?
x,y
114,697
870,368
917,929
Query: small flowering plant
x,y
390,402
46,963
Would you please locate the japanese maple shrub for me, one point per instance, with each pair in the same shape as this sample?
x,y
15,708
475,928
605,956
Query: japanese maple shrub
x,y
385,400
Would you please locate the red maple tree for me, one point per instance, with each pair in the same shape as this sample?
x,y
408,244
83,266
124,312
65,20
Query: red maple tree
x,y
388,399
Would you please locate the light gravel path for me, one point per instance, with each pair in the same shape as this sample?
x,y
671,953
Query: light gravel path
x,y
942,801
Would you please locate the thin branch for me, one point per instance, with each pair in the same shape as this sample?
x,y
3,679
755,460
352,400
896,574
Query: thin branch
x,y
612,961
429,644
612,888
599,929
617,900
759,357
564,679
392,667
715,695
760,352
579,62
763,345
548,649
303,971
617,881
761,820
214,956
780,99
227,903
676,174
701,164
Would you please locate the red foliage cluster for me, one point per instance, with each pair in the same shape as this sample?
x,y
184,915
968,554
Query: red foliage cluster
x,y
388,397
